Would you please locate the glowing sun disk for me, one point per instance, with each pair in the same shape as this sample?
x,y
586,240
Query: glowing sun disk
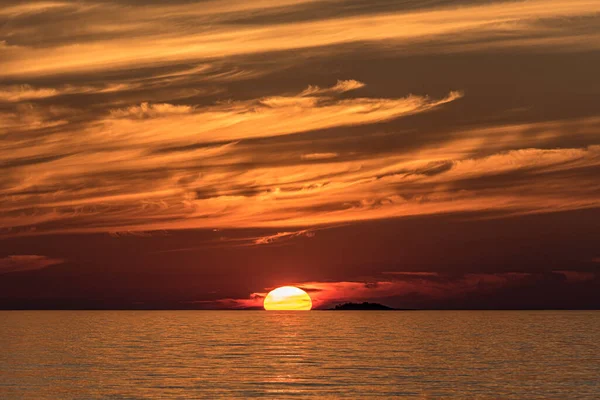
x,y
288,298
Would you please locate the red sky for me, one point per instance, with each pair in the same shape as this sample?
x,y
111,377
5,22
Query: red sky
x,y
196,154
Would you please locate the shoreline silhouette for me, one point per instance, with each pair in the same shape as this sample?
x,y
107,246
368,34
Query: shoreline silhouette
x,y
365,306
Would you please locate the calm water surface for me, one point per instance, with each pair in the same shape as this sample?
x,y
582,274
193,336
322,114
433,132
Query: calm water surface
x,y
279,355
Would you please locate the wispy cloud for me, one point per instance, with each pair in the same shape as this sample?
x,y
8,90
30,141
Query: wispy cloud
x,y
211,186
20,263
411,287
340,87
319,156
264,117
14,93
577,276
282,236
146,110
135,118
123,35
102,168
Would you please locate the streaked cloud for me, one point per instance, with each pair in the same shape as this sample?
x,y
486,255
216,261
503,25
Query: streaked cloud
x,y
60,173
281,236
32,8
411,286
115,36
146,110
340,87
85,187
20,263
577,276
265,117
319,156
25,92
134,118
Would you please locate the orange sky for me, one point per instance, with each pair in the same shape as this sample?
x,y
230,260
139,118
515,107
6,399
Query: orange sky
x,y
269,123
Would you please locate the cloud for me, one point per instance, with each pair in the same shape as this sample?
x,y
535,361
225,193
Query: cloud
x,y
282,236
109,36
122,117
264,117
29,117
411,287
19,263
146,110
340,87
319,156
223,185
103,167
16,93
411,274
577,276
32,8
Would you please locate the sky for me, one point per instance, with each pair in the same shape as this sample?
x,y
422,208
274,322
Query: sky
x,y
433,154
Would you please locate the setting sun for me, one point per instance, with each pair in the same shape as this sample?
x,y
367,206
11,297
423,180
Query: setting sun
x,y
288,298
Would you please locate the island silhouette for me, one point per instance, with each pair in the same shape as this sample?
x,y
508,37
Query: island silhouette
x,y
365,306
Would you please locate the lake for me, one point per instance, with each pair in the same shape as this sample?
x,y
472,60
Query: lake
x,y
316,354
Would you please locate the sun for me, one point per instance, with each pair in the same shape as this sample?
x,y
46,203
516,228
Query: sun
x,y
288,298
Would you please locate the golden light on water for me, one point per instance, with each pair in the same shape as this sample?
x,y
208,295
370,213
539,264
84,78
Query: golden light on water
x,y
288,298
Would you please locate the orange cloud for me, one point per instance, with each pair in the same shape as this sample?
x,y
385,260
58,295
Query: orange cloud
x,y
19,263
340,87
283,236
319,156
141,42
94,189
407,285
433,286
265,117
155,139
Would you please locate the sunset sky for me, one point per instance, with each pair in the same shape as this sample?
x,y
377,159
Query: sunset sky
x,y
197,154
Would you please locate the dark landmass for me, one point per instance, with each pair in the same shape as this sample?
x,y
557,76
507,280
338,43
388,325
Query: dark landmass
x,y
361,306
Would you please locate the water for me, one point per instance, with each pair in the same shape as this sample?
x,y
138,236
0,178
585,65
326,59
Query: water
x,y
318,354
